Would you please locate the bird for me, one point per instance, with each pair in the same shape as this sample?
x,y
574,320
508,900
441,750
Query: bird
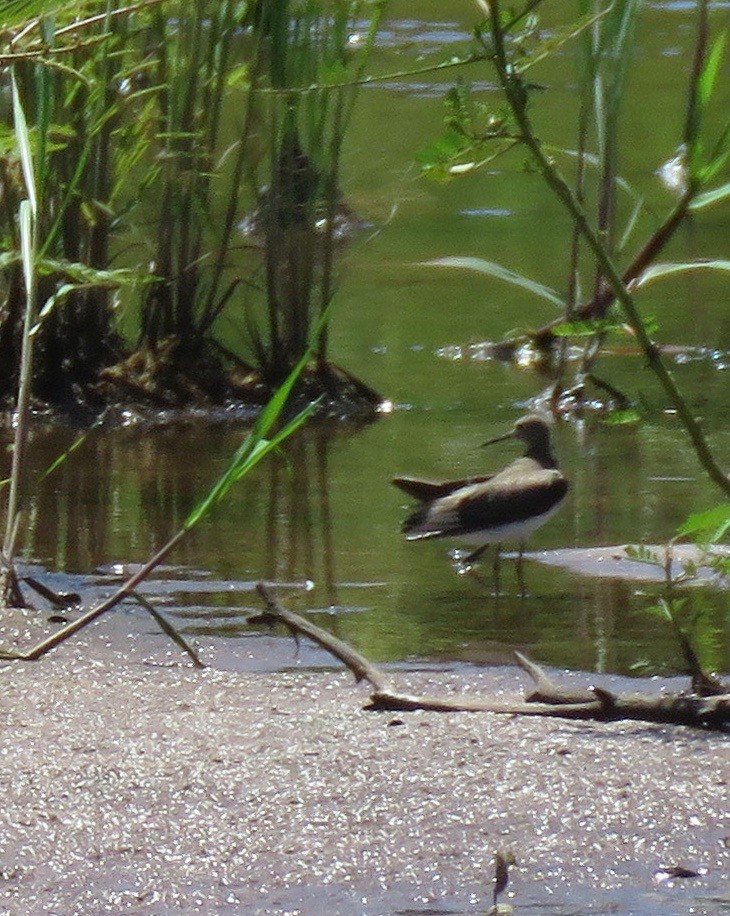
x,y
490,509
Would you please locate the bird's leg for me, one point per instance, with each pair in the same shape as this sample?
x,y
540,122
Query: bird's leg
x,y
521,571
495,567
471,558
465,565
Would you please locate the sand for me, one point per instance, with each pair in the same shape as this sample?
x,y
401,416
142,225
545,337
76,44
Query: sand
x,y
132,783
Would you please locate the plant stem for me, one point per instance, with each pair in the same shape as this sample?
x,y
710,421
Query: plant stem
x,y
517,98
127,589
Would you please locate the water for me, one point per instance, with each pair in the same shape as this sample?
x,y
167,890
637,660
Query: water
x,y
323,518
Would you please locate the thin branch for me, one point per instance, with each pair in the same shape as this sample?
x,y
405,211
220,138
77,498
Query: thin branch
x,y
555,701
517,98
358,664
167,628
127,589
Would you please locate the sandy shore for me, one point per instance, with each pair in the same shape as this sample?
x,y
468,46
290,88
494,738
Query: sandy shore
x,y
139,785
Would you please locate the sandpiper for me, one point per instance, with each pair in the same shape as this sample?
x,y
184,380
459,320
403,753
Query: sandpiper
x,y
506,506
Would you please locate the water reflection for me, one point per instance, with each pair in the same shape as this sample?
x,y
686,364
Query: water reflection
x,y
299,528
322,512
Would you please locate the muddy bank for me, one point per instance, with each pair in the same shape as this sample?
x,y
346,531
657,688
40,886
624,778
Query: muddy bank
x,y
132,783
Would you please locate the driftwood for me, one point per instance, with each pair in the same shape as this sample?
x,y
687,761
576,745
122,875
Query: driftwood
x,y
547,698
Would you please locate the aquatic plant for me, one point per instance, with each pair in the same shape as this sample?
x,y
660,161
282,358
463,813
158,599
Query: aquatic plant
x,y
313,57
684,609
479,134
133,121
28,230
67,70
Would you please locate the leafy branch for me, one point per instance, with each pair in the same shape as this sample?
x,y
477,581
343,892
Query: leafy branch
x,y
517,95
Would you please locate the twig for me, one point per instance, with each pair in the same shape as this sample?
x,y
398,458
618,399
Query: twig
x,y
595,703
358,664
546,690
57,599
75,626
168,628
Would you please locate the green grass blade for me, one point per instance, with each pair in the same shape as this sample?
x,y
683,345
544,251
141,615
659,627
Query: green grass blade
x,y
710,197
26,245
586,328
77,443
710,71
257,444
669,268
24,147
18,12
252,451
499,273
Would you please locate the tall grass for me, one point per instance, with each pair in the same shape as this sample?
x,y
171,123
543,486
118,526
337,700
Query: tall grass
x,y
179,117
282,151
28,231
301,210
69,87
192,56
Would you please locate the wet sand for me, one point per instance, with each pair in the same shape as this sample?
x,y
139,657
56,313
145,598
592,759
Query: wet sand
x,y
132,783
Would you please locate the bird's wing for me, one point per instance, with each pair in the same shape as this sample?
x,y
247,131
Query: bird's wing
x,y
499,503
519,492
429,490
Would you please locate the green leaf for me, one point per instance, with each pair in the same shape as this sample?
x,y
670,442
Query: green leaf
x,y
436,158
716,164
659,610
622,417
711,69
720,563
61,293
83,274
642,554
710,197
24,147
709,527
668,268
586,328
500,273
17,12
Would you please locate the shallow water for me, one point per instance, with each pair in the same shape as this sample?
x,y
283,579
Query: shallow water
x,y
323,518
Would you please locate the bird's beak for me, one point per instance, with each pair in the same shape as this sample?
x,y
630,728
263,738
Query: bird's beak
x,y
499,439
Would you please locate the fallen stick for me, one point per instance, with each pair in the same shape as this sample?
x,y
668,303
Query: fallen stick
x,y
594,703
351,658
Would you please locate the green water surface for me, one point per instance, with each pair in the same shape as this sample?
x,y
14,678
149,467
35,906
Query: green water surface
x,y
325,512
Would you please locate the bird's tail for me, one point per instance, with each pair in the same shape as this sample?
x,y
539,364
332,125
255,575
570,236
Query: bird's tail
x,y
414,527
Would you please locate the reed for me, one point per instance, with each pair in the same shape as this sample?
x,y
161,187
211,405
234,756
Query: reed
x,y
311,70
69,86
133,119
28,229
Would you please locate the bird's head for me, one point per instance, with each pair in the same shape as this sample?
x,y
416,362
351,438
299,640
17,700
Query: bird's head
x,y
534,431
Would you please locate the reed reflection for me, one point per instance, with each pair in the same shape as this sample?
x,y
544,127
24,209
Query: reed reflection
x,y
300,537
